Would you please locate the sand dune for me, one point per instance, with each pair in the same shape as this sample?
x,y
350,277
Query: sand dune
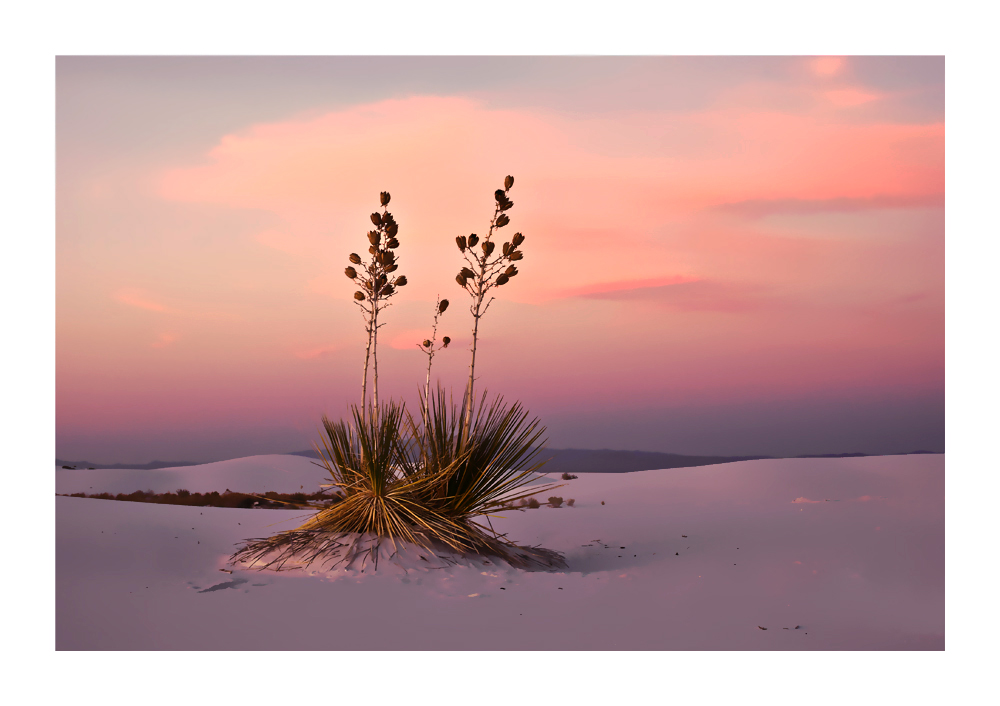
x,y
849,550
253,474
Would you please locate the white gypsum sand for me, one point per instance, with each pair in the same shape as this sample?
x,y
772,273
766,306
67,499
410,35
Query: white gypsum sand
x,y
850,550
254,474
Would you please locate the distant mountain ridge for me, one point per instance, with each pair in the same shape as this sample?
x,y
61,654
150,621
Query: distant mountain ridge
x,y
611,461
560,460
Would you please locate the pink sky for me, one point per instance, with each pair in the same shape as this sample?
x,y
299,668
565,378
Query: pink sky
x,y
713,234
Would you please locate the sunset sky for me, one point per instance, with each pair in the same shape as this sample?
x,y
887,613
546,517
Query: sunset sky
x,y
722,255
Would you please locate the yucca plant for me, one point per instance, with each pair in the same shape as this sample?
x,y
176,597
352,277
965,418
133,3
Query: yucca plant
x,y
482,273
427,483
391,490
381,495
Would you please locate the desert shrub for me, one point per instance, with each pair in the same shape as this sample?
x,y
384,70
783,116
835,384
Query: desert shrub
x,y
568,476
215,499
555,501
570,502
533,503
426,481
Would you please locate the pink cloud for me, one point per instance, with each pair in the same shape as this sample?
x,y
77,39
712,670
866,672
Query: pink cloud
x,y
139,300
756,208
691,295
827,65
850,97
625,285
586,187
164,340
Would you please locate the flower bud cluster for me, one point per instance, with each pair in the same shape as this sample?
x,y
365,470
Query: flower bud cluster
x,y
484,271
373,277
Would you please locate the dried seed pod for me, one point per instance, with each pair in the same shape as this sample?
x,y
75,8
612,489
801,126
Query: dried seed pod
x,y
400,281
488,248
384,198
506,205
473,239
392,268
374,237
461,242
502,220
382,279
355,258
499,195
510,271
360,296
517,239
503,279
506,249
392,230
392,243
468,274
351,272
508,182
515,255
427,343
445,341
376,219
442,306
368,285
387,290
460,279
373,250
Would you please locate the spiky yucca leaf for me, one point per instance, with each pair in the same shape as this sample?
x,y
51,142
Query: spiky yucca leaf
x,y
484,472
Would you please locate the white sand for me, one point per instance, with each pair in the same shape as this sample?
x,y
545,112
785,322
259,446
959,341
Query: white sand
x,y
857,562
253,474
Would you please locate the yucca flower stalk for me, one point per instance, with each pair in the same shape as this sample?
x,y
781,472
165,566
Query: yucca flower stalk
x,y
376,287
429,347
482,273
424,484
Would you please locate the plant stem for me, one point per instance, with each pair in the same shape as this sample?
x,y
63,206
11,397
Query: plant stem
x,y
368,351
375,354
430,359
482,285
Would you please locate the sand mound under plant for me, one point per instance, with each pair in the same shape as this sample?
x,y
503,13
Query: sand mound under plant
x,y
370,552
